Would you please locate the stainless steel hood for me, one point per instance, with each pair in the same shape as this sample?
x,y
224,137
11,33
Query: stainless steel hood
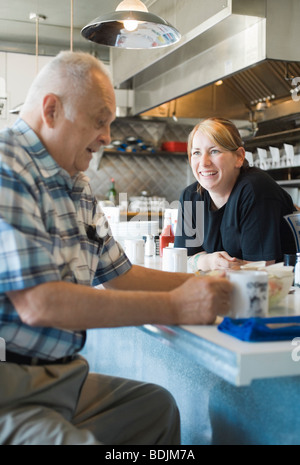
x,y
264,91
251,45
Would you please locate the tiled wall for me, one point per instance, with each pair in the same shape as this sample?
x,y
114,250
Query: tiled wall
x,y
161,175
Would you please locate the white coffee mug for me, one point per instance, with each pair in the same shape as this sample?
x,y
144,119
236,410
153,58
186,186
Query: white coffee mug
x,y
135,250
174,259
250,293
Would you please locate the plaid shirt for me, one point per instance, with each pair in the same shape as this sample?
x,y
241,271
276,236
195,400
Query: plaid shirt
x,y
47,234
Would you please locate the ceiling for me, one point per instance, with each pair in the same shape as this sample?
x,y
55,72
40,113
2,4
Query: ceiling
x,y
18,31
243,42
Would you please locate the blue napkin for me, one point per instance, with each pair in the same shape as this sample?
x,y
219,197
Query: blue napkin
x,y
262,329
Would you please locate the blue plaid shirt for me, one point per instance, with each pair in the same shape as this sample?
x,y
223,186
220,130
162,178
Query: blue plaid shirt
x,y
47,234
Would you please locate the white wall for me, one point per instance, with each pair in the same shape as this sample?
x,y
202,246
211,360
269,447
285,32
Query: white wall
x,y
17,72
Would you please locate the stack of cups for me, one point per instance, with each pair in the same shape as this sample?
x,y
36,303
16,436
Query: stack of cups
x,y
174,259
135,250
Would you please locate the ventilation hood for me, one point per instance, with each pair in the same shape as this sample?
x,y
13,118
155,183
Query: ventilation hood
x,y
263,92
249,45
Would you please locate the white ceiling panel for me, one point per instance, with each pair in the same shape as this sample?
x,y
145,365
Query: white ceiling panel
x,y
18,31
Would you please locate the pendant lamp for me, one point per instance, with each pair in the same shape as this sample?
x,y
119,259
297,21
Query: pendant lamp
x,y
131,26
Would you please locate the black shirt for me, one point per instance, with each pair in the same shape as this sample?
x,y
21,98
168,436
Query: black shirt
x,y
250,226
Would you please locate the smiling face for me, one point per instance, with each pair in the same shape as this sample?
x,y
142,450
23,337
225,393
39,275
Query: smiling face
x,y
72,139
215,168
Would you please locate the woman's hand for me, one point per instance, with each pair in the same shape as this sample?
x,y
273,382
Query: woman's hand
x,y
215,261
223,261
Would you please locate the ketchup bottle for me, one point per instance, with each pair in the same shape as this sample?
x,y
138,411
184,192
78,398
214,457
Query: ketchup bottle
x,y
167,235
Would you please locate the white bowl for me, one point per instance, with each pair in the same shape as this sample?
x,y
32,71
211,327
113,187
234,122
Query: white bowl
x,y
280,279
280,282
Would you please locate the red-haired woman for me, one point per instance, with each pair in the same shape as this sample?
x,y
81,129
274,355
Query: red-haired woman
x,y
233,213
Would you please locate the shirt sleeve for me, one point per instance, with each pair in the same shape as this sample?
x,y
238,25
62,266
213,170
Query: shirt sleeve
x,y
25,248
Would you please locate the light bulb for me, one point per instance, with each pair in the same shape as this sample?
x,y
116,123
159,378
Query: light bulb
x,y
130,25
131,5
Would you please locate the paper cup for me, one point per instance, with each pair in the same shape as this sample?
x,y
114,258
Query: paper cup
x,y
135,250
174,259
250,294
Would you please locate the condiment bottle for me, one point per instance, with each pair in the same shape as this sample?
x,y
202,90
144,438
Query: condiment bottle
x,y
297,271
167,236
112,193
150,246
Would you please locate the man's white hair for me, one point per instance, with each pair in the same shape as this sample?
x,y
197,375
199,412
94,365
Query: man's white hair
x,y
68,76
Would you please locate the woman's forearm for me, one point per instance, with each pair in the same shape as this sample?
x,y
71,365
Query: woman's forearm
x,y
214,261
199,262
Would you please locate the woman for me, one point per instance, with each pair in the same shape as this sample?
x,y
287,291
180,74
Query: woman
x,y
233,213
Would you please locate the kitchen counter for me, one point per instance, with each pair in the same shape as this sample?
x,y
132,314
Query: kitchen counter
x,y
228,391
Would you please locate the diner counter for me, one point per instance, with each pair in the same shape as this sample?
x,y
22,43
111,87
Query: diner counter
x,y
228,391
234,360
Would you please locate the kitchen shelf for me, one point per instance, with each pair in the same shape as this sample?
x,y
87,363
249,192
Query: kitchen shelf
x,y
287,175
274,139
145,153
289,183
142,216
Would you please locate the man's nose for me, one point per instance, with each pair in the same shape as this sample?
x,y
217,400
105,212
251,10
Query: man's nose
x,y
104,136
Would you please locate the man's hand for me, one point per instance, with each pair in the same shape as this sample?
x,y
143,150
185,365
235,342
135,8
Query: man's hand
x,y
201,299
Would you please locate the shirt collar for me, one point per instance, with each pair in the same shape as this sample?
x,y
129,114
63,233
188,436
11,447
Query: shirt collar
x,y
47,166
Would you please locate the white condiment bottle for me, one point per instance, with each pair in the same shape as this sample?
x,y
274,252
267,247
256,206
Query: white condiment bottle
x,y
297,271
149,246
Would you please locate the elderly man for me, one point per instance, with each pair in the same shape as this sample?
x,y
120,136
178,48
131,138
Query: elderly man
x,y
51,258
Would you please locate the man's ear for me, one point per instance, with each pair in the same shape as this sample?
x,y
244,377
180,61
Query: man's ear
x,y
51,108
